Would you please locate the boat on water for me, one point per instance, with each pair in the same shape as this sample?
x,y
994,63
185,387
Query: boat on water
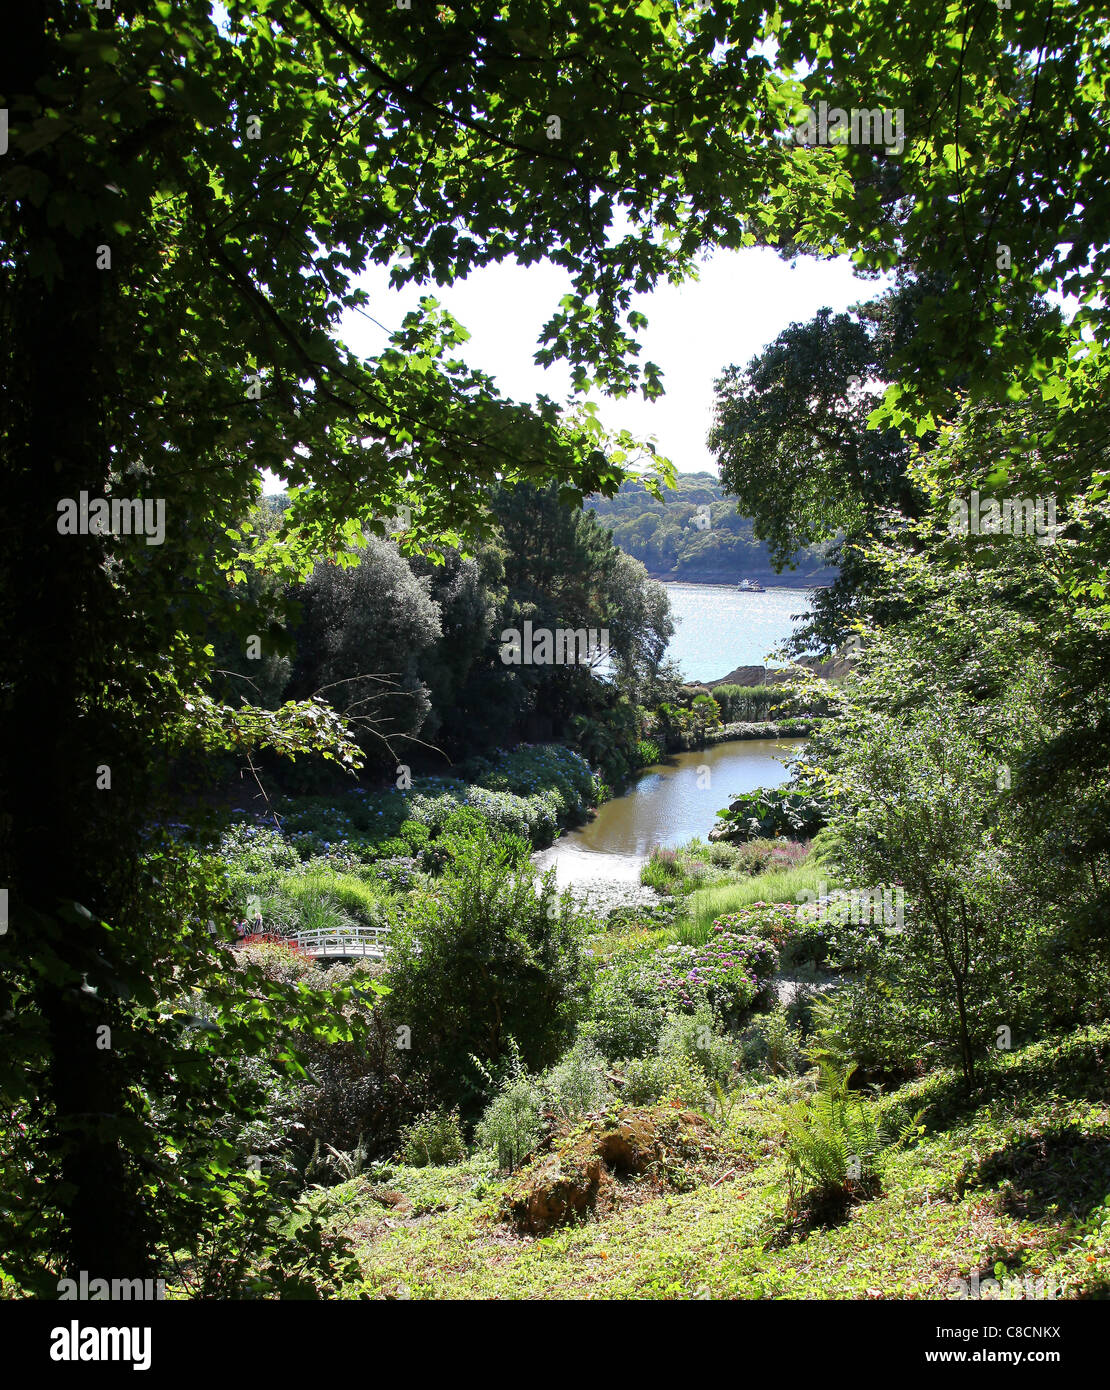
x,y
749,586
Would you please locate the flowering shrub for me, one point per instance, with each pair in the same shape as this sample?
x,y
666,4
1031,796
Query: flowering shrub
x,y
257,859
562,776
728,972
794,936
529,792
398,872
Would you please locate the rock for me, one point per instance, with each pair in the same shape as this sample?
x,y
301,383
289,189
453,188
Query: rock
x,y
577,1177
743,675
560,1188
832,670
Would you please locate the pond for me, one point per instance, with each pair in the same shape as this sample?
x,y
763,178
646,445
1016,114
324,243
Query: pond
x,y
669,804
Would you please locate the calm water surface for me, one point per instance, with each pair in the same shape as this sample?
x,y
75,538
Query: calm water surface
x,y
666,806
718,629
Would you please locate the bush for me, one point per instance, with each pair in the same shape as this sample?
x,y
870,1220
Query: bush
x,y
399,873
576,1085
648,752
461,834
698,1038
480,958
774,1044
512,1125
665,1076
433,1140
834,1143
767,813
728,972
257,860
627,1008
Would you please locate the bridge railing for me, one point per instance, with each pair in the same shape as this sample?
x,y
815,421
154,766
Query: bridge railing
x,y
355,941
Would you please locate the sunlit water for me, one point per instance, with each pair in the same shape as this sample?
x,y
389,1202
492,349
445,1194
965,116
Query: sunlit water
x,y
718,628
668,805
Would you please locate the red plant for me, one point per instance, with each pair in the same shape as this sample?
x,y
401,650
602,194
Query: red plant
x,y
274,940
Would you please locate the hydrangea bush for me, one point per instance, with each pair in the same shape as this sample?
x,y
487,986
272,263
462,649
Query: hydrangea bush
x,y
728,972
530,791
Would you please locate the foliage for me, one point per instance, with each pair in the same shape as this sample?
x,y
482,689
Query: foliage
x,y
766,813
214,341
485,958
256,1245
752,703
433,1139
627,1009
924,803
665,1075
576,1084
772,1042
669,535
729,971
764,903
835,1143
512,1125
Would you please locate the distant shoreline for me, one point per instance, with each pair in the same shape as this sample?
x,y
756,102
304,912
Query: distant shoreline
x,y
732,583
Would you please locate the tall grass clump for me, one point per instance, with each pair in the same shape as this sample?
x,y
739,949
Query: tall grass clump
x,y
774,886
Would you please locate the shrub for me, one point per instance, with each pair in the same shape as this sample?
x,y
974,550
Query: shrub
x,y
483,957
648,752
576,1084
726,856
728,972
698,1038
433,1140
806,942
512,1125
665,1076
925,816
627,1008
774,1044
398,873
257,860
767,813
463,832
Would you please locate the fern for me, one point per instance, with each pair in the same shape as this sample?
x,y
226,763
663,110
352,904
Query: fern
x,y
835,1144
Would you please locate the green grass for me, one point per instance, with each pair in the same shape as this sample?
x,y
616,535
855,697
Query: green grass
x,y
324,900
774,886
1010,1183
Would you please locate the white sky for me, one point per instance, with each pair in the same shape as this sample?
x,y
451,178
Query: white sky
x,y
741,302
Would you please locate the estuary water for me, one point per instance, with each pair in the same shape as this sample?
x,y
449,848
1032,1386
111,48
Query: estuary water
x,y
718,628
667,805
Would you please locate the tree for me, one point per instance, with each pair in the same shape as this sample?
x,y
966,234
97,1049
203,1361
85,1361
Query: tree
x,y
921,805
640,626
365,630
186,206
486,964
